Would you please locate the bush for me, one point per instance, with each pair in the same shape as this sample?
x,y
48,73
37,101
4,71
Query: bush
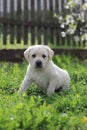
x,y
74,20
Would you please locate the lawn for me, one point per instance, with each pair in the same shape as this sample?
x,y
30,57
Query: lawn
x,y
34,110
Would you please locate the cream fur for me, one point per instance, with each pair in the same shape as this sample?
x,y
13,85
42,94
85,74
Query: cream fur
x,y
48,77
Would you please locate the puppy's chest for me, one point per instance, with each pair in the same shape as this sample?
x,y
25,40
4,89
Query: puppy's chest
x,y
41,80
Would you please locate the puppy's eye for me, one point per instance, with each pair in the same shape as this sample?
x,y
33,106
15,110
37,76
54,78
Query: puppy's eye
x,y
33,55
44,56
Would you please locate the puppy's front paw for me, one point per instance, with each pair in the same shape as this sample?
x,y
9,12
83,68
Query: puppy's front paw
x,y
50,91
20,91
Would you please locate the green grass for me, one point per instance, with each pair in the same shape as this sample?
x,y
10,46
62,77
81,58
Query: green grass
x,y
52,45
34,110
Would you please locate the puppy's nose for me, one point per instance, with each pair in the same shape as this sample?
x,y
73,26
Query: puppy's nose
x,y
38,64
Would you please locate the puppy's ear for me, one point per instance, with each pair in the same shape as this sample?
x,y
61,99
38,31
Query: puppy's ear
x,y
27,53
50,53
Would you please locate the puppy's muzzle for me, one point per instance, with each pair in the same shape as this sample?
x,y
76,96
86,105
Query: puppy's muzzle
x,y
38,64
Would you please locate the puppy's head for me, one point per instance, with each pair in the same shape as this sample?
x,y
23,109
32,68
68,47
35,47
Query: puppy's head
x,y
38,56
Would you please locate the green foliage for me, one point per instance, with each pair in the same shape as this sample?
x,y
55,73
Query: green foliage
x,y
34,110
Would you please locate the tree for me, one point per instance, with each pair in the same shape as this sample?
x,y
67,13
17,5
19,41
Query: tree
x,y
74,22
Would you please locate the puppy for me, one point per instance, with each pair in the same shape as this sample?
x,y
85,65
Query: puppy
x,y
43,71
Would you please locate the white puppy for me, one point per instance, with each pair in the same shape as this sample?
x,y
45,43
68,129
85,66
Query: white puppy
x,y
43,71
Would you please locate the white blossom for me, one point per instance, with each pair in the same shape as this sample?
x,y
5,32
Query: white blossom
x,y
83,20
67,6
71,31
78,2
69,19
81,15
72,21
63,34
76,38
62,25
86,37
76,15
60,18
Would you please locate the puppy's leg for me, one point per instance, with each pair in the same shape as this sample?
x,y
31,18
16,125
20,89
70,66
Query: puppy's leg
x,y
25,84
66,84
51,88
